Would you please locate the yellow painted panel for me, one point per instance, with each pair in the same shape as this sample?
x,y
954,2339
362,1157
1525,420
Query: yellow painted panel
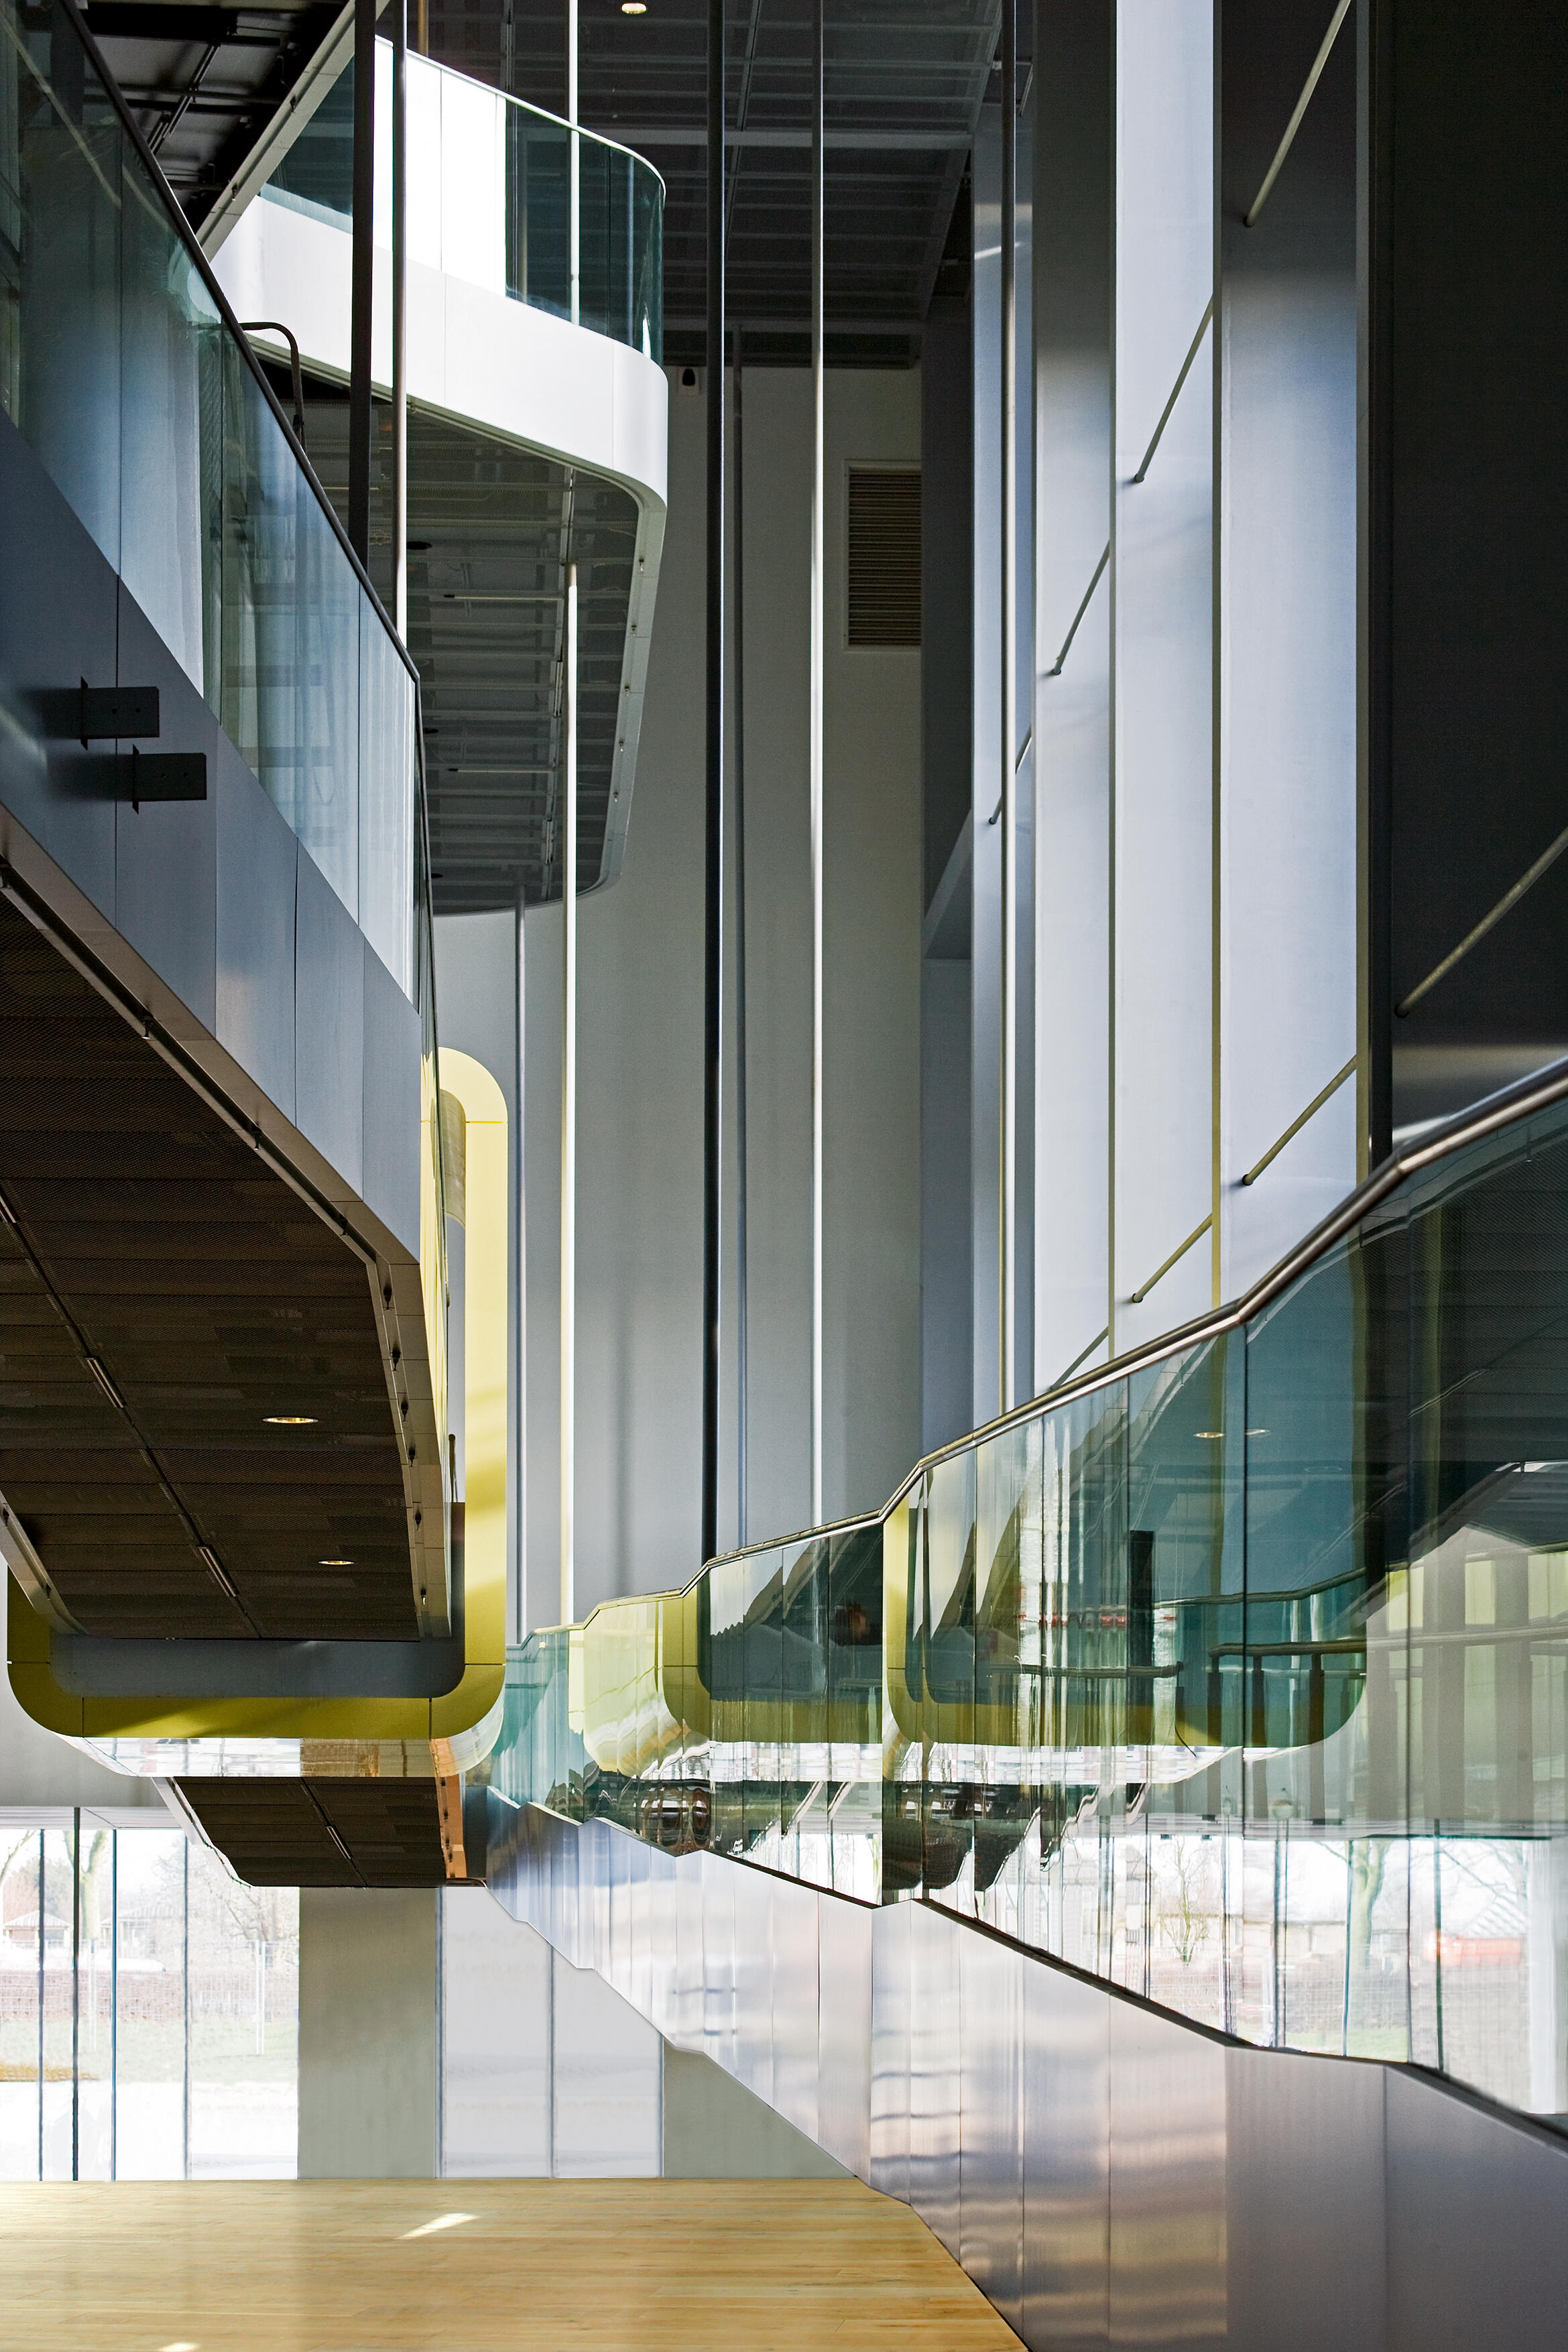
x,y
474,1697
257,1718
486,1293
40,1695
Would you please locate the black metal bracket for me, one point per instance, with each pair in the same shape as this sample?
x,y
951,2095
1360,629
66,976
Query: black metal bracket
x,y
118,712
167,776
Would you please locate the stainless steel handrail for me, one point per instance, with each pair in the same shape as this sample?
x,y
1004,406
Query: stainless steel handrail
x,y
1509,1107
1294,124
1472,937
560,123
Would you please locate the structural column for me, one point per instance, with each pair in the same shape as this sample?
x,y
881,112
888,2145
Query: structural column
x,y
816,762
362,282
568,1133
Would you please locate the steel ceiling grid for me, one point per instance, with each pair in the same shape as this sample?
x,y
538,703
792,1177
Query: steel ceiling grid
x,y
904,83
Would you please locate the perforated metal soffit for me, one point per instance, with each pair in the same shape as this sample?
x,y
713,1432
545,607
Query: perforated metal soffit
x,y
323,1830
903,84
489,527
150,1241
204,83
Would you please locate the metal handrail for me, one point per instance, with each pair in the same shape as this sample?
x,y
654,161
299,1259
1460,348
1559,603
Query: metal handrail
x,y
188,238
1509,1107
526,107
1472,937
1294,124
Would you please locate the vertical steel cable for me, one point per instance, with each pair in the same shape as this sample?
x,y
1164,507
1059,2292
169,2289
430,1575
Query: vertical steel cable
x,y
361,299
816,759
400,316
741,1268
713,928
568,1132
1006,1253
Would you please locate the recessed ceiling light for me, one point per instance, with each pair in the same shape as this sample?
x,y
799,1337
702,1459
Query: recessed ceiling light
x,y
334,1563
634,7
290,1420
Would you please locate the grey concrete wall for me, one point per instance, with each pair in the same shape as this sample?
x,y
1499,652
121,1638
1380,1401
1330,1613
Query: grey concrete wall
x,y
640,1052
367,1996
715,2130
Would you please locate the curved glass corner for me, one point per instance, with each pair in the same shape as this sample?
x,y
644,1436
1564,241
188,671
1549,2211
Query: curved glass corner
x,y
500,195
1238,1678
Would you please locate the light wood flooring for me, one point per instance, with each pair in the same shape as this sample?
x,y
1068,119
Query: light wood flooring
x,y
538,2266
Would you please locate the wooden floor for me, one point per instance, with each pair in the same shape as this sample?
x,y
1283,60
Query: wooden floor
x,y
613,2265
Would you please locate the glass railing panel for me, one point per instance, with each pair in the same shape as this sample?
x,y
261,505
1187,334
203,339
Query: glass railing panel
x,y
1239,1680
171,440
388,804
319,168
539,211
1184,1618
1324,1786
514,230
122,371
805,1758
854,1711
761,1658
1486,1640
61,203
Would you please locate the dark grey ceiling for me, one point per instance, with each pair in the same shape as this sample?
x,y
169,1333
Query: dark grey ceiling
x,y
204,82
323,1832
141,1235
904,83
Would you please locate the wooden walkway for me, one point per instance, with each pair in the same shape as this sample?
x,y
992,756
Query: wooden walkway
x,y
532,2266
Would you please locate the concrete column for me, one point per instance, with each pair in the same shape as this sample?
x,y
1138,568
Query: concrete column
x,y
368,1993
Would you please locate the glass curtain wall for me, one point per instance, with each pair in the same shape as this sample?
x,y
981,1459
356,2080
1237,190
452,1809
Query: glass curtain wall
x,y
149,2008
120,370
1237,1679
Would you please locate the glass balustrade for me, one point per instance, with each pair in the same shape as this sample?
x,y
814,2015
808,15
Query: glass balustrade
x,y
123,371
1236,1678
490,198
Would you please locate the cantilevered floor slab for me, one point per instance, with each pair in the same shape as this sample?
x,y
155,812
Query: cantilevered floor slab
x,y
623,2265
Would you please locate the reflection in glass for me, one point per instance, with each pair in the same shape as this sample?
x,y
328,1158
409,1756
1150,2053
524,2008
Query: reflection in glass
x,y
145,410
1239,1681
149,2010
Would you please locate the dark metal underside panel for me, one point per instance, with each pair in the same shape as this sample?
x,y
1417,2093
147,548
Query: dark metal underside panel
x,y
150,1240
204,82
491,531
323,1833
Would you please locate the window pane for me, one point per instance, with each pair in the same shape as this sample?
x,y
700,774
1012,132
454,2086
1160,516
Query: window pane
x,y
150,2092
244,1969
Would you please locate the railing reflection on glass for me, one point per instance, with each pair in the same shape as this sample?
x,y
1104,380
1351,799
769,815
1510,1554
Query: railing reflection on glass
x,y
1236,1676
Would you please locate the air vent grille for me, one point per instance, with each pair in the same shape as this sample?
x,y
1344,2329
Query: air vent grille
x,y
884,556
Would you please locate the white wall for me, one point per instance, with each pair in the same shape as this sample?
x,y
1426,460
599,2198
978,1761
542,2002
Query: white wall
x,y
641,1048
545,2073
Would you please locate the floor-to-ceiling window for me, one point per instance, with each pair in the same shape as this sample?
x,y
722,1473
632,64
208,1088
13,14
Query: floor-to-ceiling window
x,y
149,2006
